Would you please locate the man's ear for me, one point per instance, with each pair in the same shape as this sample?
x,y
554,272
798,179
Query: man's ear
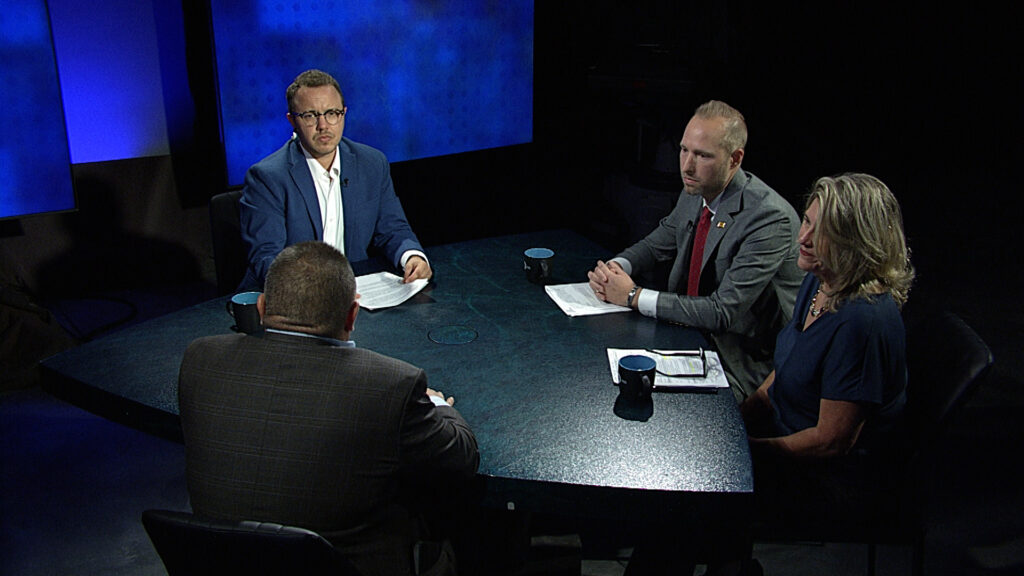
x,y
261,306
350,317
736,158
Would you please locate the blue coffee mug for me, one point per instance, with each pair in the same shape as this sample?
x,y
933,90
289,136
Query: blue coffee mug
x,y
537,264
242,307
636,376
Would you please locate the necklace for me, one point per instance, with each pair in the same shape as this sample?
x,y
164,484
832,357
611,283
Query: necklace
x,y
814,299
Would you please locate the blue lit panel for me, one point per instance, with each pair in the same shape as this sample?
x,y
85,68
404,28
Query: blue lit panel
x,y
109,63
35,172
420,78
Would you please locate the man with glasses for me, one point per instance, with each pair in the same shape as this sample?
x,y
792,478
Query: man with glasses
x,y
322,186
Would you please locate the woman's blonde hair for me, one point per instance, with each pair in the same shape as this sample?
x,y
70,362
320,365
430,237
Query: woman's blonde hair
x,y
859,238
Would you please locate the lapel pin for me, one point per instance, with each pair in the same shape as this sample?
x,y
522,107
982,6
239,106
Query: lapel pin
x,y
721,224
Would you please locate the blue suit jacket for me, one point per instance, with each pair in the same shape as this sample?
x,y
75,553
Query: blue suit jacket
x,y
279,207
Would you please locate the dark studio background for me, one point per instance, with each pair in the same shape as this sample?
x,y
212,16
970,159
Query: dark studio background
x,y
926,98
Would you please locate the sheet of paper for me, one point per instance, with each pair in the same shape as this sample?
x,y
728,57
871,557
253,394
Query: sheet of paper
x,y
579,300
688,363
384,289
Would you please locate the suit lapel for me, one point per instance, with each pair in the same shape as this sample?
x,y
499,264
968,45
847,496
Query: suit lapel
x,y
721,223
348,172
299,171
692,215
723,219
684,241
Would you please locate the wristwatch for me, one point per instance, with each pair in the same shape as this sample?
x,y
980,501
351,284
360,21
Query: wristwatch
x,y
632,294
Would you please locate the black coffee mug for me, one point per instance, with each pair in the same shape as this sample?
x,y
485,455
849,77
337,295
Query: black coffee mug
x,y
636,376
242,307
537,264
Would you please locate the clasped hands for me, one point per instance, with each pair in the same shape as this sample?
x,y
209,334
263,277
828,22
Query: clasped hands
x,y
610,283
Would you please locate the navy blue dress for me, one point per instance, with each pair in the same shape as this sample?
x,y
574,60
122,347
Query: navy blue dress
x,y
855,354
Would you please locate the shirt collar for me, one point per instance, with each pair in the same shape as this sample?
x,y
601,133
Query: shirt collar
x,y
729,192
331,341
314,164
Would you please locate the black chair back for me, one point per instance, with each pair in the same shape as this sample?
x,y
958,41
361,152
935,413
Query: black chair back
x,y
946,360
230,253
189,545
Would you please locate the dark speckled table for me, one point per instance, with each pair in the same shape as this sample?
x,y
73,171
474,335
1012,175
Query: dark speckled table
x,y
533,383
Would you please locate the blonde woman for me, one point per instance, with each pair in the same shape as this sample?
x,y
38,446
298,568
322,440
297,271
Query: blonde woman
x,y
823,415
840,366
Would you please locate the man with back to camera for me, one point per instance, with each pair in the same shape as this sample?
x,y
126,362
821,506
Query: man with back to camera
x,y
740,287
298,426
322,186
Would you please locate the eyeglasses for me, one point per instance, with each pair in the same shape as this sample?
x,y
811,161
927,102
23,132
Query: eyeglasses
x,y
699,354
332,116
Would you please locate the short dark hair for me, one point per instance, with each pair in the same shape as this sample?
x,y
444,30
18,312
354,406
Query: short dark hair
x,y
309,288
311,79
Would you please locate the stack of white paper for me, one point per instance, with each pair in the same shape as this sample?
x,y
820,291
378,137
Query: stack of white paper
x,y
579,300
383,290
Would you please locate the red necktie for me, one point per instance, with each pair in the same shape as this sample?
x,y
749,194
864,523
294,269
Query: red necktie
x,y
697,256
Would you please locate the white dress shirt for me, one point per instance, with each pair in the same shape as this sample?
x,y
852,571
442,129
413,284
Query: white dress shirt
x,y
332,209
328,193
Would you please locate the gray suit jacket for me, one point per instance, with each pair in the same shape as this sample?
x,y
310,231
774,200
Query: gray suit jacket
x,y
749,277
297,431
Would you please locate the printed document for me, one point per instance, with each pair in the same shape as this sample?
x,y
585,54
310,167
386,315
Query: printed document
x,y
384,290
676,368
579,300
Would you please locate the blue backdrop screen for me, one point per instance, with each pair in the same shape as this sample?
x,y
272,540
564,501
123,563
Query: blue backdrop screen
x,y
35,169
420,78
